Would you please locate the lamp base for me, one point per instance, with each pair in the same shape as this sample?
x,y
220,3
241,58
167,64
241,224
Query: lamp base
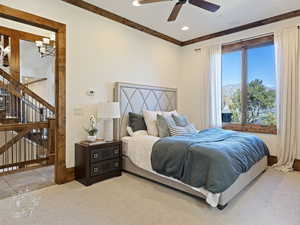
x,y
108,130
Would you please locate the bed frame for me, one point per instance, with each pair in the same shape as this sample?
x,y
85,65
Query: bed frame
x,y
136,98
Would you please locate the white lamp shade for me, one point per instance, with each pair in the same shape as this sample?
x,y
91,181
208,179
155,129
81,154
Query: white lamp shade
x,y
108,110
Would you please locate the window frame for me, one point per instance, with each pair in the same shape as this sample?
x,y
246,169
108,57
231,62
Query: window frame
x,y
243,46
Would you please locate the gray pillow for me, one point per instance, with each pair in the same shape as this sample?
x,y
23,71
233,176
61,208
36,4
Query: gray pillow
x,y
179,131
163,123
180,120
136,122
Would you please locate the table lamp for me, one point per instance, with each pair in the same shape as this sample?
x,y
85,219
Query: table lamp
x,y
108,111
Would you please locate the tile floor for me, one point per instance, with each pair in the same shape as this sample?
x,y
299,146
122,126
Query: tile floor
x,y
30,180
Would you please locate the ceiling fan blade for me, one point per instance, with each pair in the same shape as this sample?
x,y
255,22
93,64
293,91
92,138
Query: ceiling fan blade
x,y
175,11
205,5
151,1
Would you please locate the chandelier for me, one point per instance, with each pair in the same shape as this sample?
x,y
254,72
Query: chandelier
x,y
46,46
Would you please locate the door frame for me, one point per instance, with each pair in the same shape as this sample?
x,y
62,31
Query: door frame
x,y
16,36
62,174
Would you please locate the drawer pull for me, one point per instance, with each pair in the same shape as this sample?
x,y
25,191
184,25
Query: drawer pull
x,y
95,155
116,151
116,164
96,170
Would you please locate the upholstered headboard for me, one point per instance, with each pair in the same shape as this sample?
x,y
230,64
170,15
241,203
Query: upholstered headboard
x,y
136,98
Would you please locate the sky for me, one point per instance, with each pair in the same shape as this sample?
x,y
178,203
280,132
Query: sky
x,y
261,65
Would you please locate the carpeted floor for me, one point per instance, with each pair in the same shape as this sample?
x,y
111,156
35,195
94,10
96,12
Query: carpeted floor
x,y
273,199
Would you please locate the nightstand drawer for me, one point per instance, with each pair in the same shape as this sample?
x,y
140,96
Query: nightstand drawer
x,y
105,154
105,167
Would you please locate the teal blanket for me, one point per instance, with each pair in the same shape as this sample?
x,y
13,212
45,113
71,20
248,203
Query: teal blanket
x,y
212,158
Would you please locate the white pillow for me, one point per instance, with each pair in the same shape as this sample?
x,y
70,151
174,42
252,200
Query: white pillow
x,y
150,120
137,133
170,113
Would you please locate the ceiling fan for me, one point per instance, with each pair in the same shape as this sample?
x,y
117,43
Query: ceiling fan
x,y
175,12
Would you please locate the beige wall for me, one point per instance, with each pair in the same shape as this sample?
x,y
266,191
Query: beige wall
x,y
190,76
35,67
99,53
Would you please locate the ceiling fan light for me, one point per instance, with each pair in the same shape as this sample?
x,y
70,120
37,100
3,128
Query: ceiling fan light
x,y
136,3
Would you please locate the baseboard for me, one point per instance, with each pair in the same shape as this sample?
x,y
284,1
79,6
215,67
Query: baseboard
x,y
70,176
297,165
273,160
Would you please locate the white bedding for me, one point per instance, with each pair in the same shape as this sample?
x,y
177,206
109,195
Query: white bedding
x,y
139,149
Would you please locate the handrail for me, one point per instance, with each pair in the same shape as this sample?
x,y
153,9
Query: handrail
x,y
26,90
16,126
35,81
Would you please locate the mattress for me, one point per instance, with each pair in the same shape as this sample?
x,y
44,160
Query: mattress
x,y
138,149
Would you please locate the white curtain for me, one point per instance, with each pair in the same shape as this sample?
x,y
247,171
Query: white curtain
x,y
210,87
288,96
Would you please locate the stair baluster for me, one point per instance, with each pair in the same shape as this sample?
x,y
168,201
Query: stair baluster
x,y
27,126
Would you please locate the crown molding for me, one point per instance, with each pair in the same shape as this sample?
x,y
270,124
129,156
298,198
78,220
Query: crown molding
x,y
112,16
258,23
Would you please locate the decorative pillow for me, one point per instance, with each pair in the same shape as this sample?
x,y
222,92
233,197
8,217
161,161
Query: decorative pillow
x,y
191,128
180,120
150,119
129,131
178,131
163,123
137,133
136,122
170,113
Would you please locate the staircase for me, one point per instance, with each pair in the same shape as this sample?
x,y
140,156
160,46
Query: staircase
x,y
27,127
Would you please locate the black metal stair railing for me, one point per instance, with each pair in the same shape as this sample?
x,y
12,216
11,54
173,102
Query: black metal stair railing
x,y
25,121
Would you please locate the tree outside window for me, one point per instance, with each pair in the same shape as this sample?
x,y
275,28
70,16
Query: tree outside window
x,y
249,84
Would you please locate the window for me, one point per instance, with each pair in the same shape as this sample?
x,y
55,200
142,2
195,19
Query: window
x,y
249,86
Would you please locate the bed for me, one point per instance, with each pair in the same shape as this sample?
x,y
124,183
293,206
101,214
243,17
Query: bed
x,y
137,150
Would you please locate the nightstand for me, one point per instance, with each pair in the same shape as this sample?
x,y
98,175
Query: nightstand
x,y
94,163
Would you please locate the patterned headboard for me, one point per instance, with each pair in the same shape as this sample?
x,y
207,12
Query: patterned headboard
x,y
136,98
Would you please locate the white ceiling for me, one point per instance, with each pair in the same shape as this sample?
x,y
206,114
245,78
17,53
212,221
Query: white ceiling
x,y
232,13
